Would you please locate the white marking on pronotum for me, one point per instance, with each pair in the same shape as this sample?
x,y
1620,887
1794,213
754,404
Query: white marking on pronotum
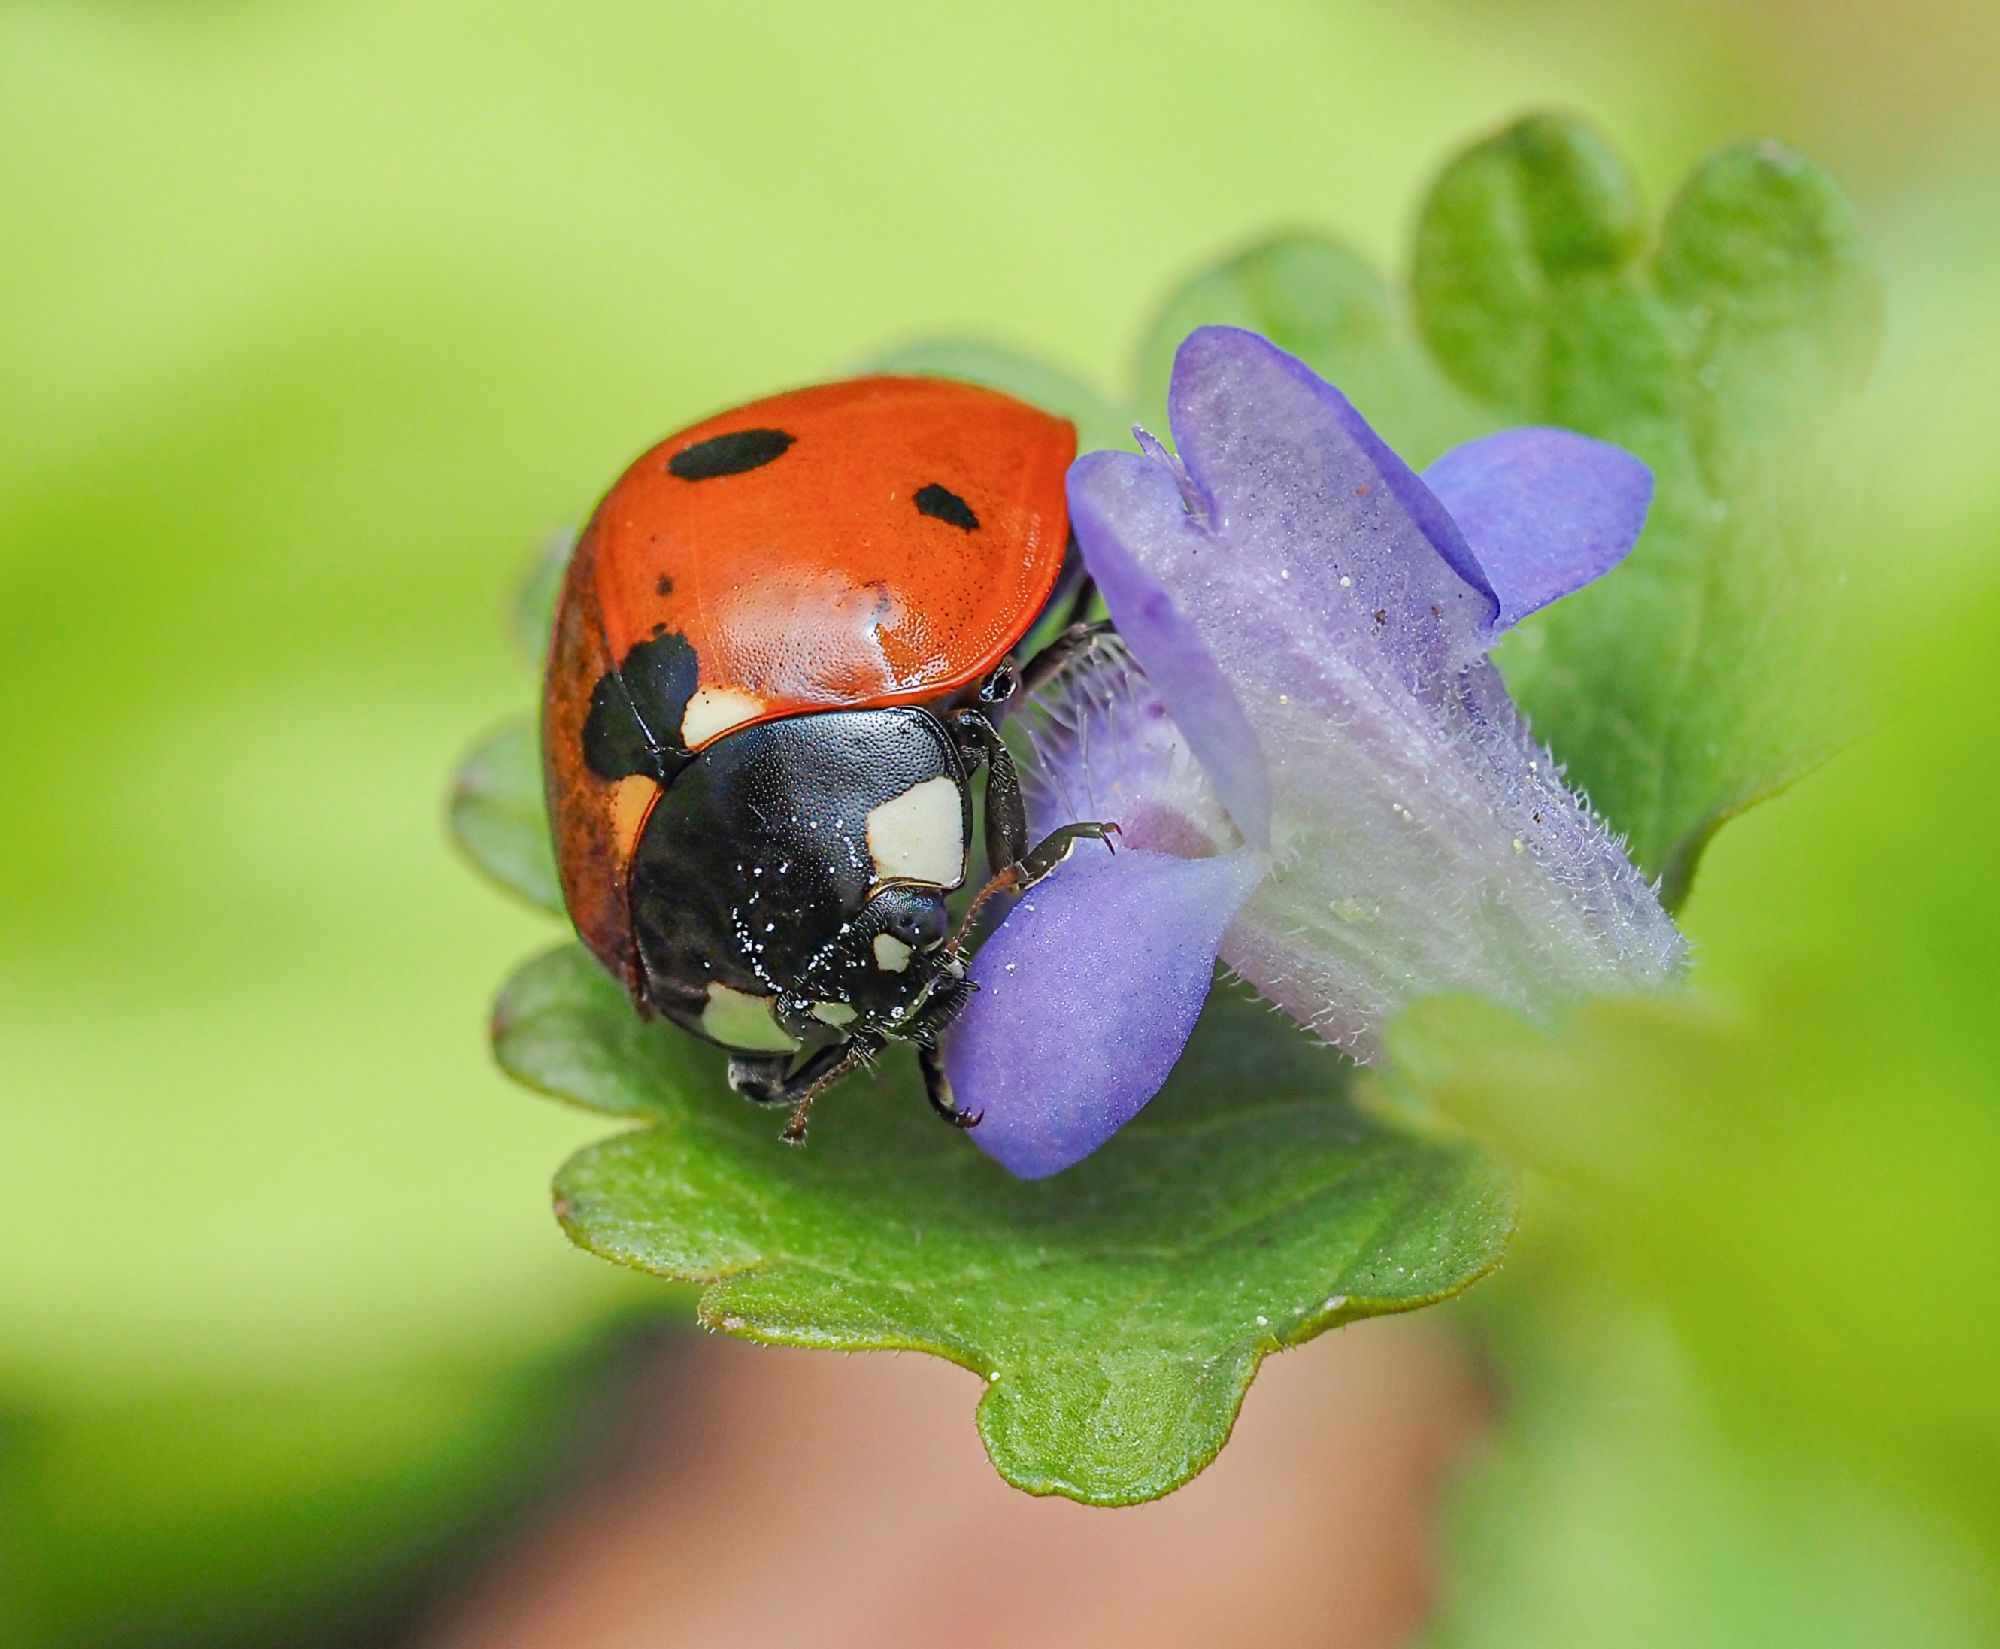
x,y
891,954
738,1019
631,800
714,710
919,835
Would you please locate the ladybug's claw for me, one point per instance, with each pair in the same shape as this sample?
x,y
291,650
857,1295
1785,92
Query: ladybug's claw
x,y
1055,847
937,1089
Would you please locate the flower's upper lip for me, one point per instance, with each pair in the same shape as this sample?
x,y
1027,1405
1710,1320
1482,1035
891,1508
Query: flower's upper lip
x,y
1369,463
1517,519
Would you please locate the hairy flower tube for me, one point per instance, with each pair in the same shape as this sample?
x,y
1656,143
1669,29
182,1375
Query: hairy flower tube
x,y
1319,774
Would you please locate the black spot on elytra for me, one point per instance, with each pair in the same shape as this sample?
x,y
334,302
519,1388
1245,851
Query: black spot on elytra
x,y
945,505
634,725
663,585
731,454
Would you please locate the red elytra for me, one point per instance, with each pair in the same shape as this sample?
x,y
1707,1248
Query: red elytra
x,y
870,543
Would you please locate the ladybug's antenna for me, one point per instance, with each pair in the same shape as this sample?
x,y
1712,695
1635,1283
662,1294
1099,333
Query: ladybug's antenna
x,y
1005,882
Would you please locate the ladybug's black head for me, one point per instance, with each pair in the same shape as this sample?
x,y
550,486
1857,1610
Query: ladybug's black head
x,y
887,971
789,886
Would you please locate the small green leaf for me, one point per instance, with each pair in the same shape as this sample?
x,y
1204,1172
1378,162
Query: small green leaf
x,y
1100,421
562,1028
1762,256
498,816
1692,682
1117,1311
535,601
1516,229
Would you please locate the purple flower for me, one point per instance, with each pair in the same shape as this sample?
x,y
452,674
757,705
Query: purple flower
x,y
1319,775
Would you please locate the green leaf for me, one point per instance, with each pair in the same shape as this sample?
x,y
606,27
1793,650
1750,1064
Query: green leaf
x,y
1117,1311
1515,231
1100,421
1692,682
499,818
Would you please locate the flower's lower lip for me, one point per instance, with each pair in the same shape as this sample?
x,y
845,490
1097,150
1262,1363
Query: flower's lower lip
x,y
1089,991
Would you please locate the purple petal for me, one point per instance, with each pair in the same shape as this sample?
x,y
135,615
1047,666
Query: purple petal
x,y
1088,992
1289,468
1545,511
1177,662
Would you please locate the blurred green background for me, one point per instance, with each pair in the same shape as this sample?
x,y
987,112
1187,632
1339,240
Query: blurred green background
x,y
318,318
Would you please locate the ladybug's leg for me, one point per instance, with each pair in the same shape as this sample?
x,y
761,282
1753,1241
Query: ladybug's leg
x,y
1006,815
1055,847
763,1078
1074,589
1074,641
760,1078
1015,865
1080,601
937,1089
857,1052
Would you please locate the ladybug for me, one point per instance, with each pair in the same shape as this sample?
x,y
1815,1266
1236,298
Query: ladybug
x,y
783,649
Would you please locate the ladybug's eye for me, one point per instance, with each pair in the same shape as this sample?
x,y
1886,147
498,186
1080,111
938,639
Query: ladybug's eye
x,y
921,926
